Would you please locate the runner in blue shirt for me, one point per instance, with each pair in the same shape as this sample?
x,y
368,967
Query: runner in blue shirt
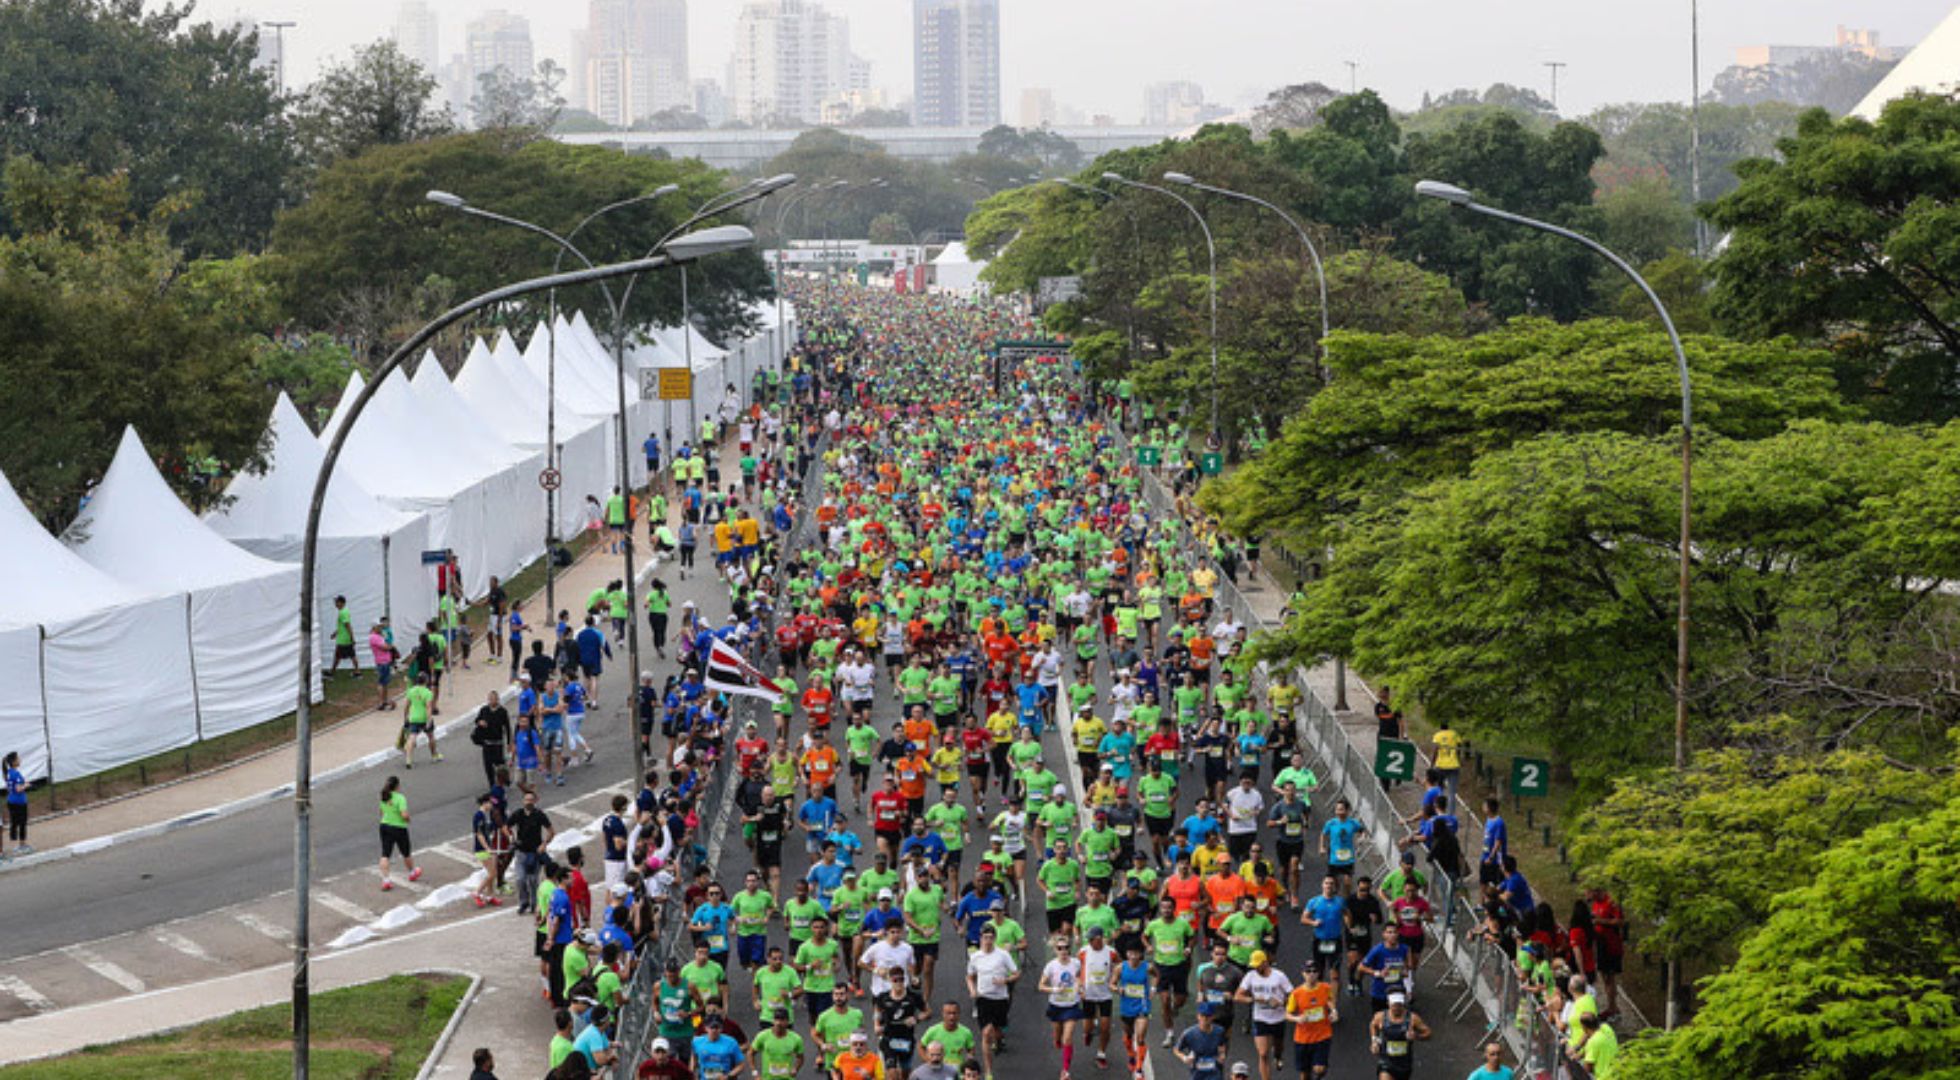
x,y
1387,966
1328,915
715,1054
1338,841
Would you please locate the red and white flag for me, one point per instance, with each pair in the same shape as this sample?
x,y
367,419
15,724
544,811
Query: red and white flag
x,y
729,673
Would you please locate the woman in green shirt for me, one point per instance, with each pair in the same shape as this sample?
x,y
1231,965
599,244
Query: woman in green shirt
x,y
394,831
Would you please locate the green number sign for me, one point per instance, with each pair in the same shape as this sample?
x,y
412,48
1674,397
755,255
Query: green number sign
x,y
1211,464
1149,455
1395,759
1530,776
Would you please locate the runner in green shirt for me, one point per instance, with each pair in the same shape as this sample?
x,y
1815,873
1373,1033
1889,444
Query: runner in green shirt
x,y
776,984
954,1037
816,961
778,1051
1059,877
834,1025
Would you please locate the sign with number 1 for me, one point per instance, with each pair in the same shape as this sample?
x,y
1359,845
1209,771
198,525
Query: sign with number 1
x,y
1395,759
1211,464
1530,776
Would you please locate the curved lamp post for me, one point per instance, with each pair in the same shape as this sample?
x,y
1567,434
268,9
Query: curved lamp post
x,y
694,246
1313,253
1211,250
1320,273
564,244
782,246
1457,197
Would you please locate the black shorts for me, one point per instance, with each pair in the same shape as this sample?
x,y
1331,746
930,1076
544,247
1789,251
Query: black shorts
x,y
1095,1010
1313,1055
769,854
1217,770
1174,978
1272,1029
860,770
979,770
1611,965
1090,761
1157,826
1340,870
991,1012
1289,850
344,652
1059,917
1240,844
394,838
925,949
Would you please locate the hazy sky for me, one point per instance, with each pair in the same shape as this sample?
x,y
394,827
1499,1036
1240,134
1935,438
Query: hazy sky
x,y
1097,54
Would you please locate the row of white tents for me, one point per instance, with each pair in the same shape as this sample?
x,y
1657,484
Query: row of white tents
x,y
144,629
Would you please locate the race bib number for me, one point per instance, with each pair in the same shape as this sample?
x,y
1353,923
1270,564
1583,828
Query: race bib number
x,y
1397,1047
1344,854
1315,1016
717,942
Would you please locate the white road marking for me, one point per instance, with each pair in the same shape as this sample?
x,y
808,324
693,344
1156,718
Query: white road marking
x,y
32,998
109,970
183,945
451,852
270,929
344,906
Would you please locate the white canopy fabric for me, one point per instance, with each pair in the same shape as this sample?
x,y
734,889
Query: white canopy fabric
x,y
368,552
512,403
954,271
98,674
240,610
405,455
469,428
592,366
1932,65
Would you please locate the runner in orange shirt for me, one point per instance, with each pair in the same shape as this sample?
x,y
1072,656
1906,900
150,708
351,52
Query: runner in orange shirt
x,y
913,772
860,1062
1185,889
1222,892
820,770
1311,1009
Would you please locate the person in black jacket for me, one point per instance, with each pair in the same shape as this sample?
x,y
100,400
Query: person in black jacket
x,y
492,736
484,1064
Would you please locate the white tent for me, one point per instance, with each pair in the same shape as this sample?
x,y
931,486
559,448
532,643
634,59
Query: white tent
x,y
955,272
489,516
642,417
1932,65
98,674
369,553
240,608
513,404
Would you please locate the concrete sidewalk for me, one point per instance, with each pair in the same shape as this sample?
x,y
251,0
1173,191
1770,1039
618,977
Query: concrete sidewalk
x,y
348,747
505,1014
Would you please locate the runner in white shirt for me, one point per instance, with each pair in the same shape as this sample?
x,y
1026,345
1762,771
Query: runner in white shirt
x,y
1244,810
1061,980
990,976
1267,988
1098,965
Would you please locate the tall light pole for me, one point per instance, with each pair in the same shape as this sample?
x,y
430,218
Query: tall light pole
x,y
552,449
1555,65
1354,70
782,245
694,246
1211,250
1458,197
1320,273
279,52
1694,125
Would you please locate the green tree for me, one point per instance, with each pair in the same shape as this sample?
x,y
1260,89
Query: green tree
x,y
1658,135
311,370
99,328
1848,240
1401,411
1850,978
377,97
1549,176
1835,81
1642,221
1702,853
105,87
1352,163
1680,280
368,242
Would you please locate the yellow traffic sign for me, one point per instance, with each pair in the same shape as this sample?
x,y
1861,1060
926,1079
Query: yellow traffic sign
x,y
676,384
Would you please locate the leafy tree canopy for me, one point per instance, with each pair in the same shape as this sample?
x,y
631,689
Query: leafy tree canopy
x,y
100,327
1402,410
378,97
1850,977
368,240
106,87
1849,240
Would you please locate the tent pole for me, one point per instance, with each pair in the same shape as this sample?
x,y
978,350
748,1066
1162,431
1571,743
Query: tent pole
x,y
190,648
47,728
387,581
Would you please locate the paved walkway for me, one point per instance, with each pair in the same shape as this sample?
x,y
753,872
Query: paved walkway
x,y
346,746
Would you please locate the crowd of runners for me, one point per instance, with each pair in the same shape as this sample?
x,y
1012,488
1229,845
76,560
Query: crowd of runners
x,y
1011,751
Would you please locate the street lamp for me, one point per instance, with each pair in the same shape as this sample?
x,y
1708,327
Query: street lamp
x,y
552,449
1319,271
696,246
782,246
1211,250
1457,197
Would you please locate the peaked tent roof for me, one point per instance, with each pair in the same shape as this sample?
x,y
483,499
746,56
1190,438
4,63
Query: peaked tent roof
x,y
1933,65
41,580
954,254
575,386
465,426
275,502
510,398
136,530
392,432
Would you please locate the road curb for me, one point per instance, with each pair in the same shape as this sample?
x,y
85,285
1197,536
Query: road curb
x,y
441,1047
253,801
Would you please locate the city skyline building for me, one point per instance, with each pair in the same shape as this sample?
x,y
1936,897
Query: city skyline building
x,y
418,33
631,60
790,57
955,63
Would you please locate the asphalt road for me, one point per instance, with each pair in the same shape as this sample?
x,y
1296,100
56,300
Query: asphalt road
x,y
250,854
